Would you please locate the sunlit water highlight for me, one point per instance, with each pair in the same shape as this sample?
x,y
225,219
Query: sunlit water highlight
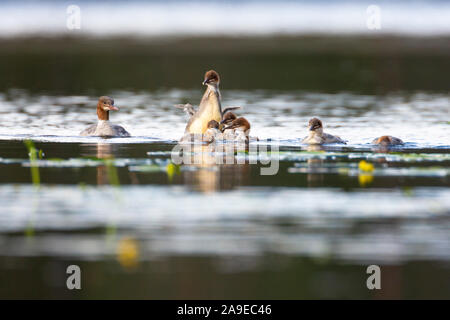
x,y
420,119
321,205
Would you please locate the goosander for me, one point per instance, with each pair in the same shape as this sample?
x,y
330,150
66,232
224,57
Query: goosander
x,y
190,110
228,117
213,132
237,129
317,136
387,141
210,107
104,128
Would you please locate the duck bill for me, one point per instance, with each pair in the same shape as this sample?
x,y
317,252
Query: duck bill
x,y
113,108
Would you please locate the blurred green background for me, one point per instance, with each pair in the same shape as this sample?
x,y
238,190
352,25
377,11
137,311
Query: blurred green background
x,y
71,65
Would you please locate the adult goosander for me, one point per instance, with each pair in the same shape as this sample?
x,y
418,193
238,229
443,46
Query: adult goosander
x,y
317,136
210,107
104,128
387,141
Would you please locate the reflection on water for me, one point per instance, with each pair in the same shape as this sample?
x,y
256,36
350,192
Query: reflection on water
x,y
127,211
213,167
124,208
211,179
104,151
142,226
295,221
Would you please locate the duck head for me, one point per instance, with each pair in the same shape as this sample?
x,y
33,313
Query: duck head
x,y
228,118
211,79
213,124
104,105
315,126
241,124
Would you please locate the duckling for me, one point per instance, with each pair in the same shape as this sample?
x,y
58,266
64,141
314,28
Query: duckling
x,y
228,117
387,141
210,106
188,108
190,111
317,136
237,129
213,132
104,128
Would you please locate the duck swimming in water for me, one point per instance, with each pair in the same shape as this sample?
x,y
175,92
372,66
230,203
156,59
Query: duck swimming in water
x,y
210,107
317,136
104,128
213,132
190,111
236,129
387,141
228,117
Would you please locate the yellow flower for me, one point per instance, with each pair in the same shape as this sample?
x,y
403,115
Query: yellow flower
x,y
365,179
172,169
365,166
127,252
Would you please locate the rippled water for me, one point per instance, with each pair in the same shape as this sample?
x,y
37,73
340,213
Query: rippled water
x,y
141,227
420,119
137,210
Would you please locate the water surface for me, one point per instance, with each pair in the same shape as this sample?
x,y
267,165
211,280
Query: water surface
x,y
141,227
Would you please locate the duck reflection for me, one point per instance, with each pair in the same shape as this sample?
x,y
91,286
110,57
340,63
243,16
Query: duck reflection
x,y
315,147
315,176
104,151
215,167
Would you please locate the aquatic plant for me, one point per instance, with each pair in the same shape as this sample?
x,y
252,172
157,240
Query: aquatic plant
x,y
111,170
365,166
127,252
33,155
172,170
34,168
365,179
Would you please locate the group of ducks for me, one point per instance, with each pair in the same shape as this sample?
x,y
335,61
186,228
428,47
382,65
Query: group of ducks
x,y
210,123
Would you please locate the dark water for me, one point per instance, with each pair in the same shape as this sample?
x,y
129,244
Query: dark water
x,y
140,227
